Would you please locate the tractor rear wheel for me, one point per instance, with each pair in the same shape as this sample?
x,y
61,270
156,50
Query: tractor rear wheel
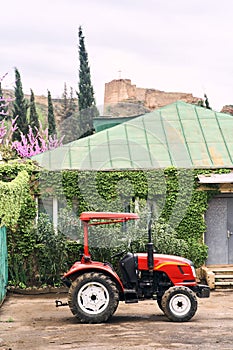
x,y
93,298
179,304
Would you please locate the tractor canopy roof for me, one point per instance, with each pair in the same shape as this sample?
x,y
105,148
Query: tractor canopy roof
x,y
109,217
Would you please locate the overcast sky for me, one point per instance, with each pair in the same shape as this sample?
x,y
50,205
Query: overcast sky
x,y
169,45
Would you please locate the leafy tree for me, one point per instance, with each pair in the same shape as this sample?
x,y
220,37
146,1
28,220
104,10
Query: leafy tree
x,y
33,118
51,118
20,107
86,100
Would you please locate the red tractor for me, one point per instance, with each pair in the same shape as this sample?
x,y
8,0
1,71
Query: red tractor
x,y
95,288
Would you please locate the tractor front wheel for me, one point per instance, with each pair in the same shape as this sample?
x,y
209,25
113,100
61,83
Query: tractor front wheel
x,y
93,298
179,304
159,302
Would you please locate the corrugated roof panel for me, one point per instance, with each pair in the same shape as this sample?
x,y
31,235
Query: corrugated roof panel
x,y
120,150
179,155
200,154
116,132
100,152
192,131
185,112
204,113
168,112
174,132
230,149
156,136
119,142
219,154
224,124
138,152
160,153
211,130
118,164
138,134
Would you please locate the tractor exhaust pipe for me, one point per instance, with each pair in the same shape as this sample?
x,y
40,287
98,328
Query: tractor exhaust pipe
x,y
150,248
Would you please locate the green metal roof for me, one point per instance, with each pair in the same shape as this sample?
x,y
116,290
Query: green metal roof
x,y
180,134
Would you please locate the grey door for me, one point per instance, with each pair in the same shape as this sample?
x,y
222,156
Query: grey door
x,y
219,233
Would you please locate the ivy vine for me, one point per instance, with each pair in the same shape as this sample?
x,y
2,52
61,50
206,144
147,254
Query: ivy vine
x,y
12,196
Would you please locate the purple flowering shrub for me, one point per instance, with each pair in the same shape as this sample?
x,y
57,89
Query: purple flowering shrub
x,y
31,144
35,142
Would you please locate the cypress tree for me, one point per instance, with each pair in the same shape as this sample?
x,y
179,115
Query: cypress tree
x,y
68,104
86,91
64,103
86,100
71,104
207,105
33,118
51,118
20,107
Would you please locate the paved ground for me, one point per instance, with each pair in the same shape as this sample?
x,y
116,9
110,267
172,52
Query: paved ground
x,y
33,322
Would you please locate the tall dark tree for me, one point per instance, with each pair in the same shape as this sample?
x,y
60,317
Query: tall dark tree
x,y
68,104
69,125
20,107
33,117
3,105
86,100
72,104
86,92
51,118
64,104
207,105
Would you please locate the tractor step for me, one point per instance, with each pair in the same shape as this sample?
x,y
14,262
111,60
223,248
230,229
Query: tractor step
x,y
130,296
131,301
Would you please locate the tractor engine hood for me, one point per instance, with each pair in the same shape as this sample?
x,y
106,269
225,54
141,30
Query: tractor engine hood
x,y
178,269
163,259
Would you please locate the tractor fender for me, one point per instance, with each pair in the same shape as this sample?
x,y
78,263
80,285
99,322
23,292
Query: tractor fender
x,y
80,268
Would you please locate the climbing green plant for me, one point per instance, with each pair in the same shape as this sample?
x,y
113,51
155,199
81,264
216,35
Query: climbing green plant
x,y
50,251
171,196
17,212
12,196
178,202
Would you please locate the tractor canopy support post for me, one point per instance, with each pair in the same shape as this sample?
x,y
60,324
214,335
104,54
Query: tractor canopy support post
x,y
85,230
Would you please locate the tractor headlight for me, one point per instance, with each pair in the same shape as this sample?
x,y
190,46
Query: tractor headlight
x,y
193,271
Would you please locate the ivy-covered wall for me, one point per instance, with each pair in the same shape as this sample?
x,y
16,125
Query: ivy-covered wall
x,y
172,195
38,255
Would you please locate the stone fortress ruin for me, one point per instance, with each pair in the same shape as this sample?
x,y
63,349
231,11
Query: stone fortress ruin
x,y
122,98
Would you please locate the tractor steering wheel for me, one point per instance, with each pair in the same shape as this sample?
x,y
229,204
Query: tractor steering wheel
x,y
117,255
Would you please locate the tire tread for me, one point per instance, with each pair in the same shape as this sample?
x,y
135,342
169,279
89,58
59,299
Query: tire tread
x,y
72,300
165,303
